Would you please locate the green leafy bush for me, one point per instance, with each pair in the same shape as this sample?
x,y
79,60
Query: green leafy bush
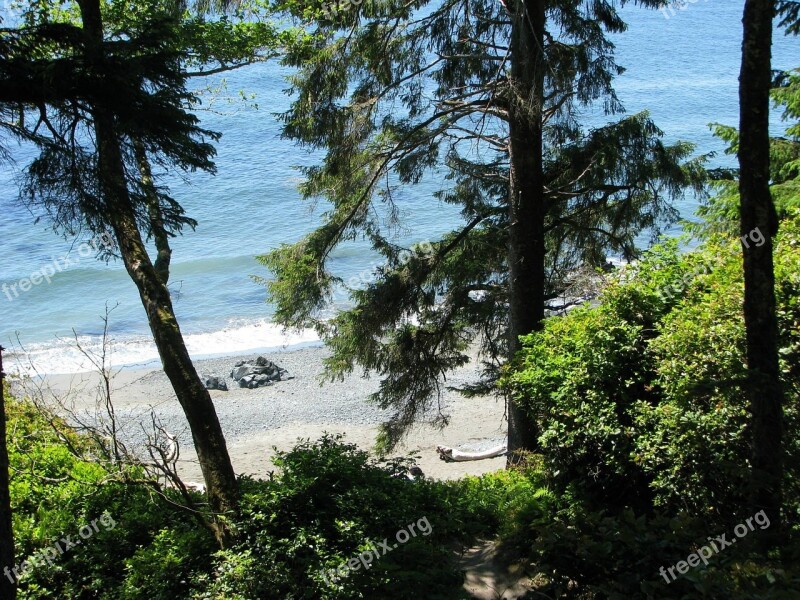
x,y
331,501
581,376
327,505
639,400
694,442
499,503
145,551
596,555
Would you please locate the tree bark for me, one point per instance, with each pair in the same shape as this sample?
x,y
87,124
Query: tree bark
x,y
160,235
8,583
526,203
758,212
209,441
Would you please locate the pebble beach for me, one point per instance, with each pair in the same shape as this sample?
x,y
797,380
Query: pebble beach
x,y
258,421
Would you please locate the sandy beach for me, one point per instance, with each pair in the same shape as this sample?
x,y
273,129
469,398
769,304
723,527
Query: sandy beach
x,y
256,421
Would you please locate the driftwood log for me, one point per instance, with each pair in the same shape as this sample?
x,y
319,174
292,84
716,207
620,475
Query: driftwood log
x,y
453,455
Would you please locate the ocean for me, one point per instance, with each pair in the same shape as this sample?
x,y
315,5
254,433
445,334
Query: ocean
x,y
682,66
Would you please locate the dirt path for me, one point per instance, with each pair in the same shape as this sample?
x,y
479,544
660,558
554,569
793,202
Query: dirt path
x,y
487,579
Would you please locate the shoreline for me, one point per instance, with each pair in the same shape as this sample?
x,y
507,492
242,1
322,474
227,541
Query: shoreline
x,y
255,420
64,355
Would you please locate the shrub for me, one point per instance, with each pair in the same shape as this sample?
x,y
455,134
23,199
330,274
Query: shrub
x,y
581,376
600,556
694,442
639,400
145,553
330,502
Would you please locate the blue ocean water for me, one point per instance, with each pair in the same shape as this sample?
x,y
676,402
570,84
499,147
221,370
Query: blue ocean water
x,y
682,67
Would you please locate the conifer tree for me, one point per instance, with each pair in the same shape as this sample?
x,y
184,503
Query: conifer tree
x,y
487,94
757,212
101,89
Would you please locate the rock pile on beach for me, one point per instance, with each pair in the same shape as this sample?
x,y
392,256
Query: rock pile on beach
x,y
249,374
257,373
215,383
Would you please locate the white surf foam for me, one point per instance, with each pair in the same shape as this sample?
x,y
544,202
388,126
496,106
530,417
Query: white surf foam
x,y
240,337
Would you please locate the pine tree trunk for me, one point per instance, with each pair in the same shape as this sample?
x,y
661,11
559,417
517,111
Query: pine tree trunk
x,y
194,398
209,441
526,202
8,585
159,232
758,211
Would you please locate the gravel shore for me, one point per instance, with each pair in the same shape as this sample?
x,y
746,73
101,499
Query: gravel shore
x,y
255,420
